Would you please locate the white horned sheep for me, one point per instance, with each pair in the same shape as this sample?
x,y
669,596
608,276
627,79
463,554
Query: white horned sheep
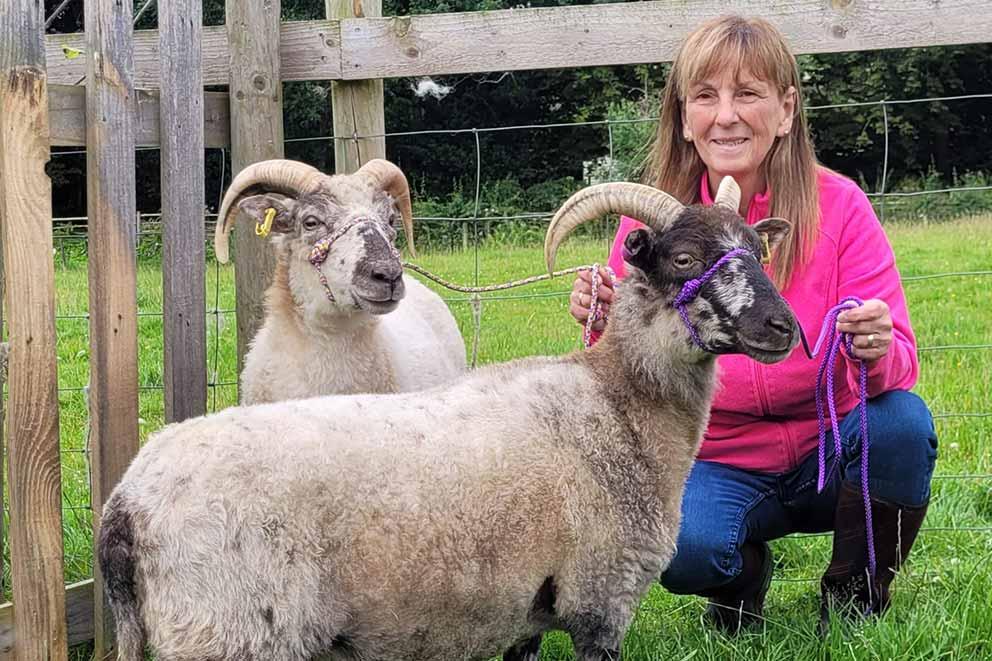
x,y
462,521
341,317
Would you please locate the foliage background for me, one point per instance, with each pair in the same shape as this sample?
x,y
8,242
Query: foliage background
x,y
936,144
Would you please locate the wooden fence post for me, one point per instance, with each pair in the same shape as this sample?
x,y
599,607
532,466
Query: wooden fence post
x,y
33,420
110,202
357,105
183,264
256,134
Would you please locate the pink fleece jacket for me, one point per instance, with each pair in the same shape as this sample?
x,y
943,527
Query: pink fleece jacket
x,y
763,417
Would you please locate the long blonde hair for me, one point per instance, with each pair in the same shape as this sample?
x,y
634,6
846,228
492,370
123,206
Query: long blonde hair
x,y
674,165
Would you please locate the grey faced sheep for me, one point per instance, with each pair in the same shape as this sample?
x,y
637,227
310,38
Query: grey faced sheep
x,y
341,318
461,521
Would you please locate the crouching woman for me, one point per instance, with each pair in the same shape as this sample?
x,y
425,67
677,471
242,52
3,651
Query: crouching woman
x,y
733,105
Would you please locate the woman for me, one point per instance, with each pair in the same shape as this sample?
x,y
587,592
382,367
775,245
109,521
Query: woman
x,y
733,106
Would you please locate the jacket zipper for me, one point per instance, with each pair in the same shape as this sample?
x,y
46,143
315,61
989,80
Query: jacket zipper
x,y
765,409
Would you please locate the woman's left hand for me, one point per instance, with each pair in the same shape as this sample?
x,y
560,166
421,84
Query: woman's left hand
x,y
871,326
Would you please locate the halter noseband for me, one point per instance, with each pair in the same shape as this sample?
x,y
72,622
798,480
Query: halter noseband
x,y
320,250
690,290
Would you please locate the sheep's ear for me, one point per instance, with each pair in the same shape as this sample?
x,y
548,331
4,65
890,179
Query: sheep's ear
x,y
257,206
638,250
771,231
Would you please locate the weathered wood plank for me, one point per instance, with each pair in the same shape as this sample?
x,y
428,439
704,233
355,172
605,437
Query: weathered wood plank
x,y
357,105
67,117
581,36
639,32
79,618
33,415
305,47
183,258
111,206
256,135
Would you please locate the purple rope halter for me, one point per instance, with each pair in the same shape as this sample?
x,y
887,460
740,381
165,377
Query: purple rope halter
x,y
826,369
690,290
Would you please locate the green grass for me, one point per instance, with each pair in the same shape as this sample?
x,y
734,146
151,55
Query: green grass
x,y
942,601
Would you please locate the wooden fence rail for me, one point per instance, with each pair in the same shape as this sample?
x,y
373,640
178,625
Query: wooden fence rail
x,y
582,36
67,117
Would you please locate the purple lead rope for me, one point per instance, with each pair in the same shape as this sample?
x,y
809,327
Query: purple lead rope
x,y
827,367
828,364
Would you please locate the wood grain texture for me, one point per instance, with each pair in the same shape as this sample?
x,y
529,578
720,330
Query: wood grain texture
x,y
183,234
112,228
357,105
79,618
305,47
555,37
256,135
67,118
33,413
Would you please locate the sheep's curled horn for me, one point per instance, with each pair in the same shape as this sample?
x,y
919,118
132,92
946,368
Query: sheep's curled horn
x,y
654,208
293,178
728,194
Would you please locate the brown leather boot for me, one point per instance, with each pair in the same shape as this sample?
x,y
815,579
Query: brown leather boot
x,y
846,585
740,603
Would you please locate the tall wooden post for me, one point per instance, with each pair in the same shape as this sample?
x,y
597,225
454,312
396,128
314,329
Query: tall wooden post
x,y
183,264
33,416
110,208
357,105
256,135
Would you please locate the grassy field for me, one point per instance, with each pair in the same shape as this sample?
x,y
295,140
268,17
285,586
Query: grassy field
x,y
943,599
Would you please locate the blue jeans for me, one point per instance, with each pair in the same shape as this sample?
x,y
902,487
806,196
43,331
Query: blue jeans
x,y
724,506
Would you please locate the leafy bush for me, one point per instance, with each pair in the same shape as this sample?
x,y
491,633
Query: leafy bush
x,y
508,214
632,128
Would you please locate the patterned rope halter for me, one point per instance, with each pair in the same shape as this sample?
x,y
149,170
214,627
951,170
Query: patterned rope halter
x,y
321,249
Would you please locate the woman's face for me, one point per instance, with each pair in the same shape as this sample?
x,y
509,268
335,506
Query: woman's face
x,y
733,124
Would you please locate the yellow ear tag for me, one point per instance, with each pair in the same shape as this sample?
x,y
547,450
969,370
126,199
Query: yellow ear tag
x,y
766,250
263,229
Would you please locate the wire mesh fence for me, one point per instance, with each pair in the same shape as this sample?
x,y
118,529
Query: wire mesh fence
x,y
474,234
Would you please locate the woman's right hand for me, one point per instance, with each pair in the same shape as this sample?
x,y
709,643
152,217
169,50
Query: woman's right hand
x,y
580,299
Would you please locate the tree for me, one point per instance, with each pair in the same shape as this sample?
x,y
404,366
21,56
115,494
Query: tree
x,y
945,137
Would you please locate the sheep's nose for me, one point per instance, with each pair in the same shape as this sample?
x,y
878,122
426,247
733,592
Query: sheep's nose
x,y
387,273
782,325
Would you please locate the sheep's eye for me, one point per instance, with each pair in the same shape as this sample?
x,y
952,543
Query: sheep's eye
x,y
311,223
683,260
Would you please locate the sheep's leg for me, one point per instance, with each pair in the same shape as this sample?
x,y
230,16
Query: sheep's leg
x,y
528,650
596,637
600,655
596,654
